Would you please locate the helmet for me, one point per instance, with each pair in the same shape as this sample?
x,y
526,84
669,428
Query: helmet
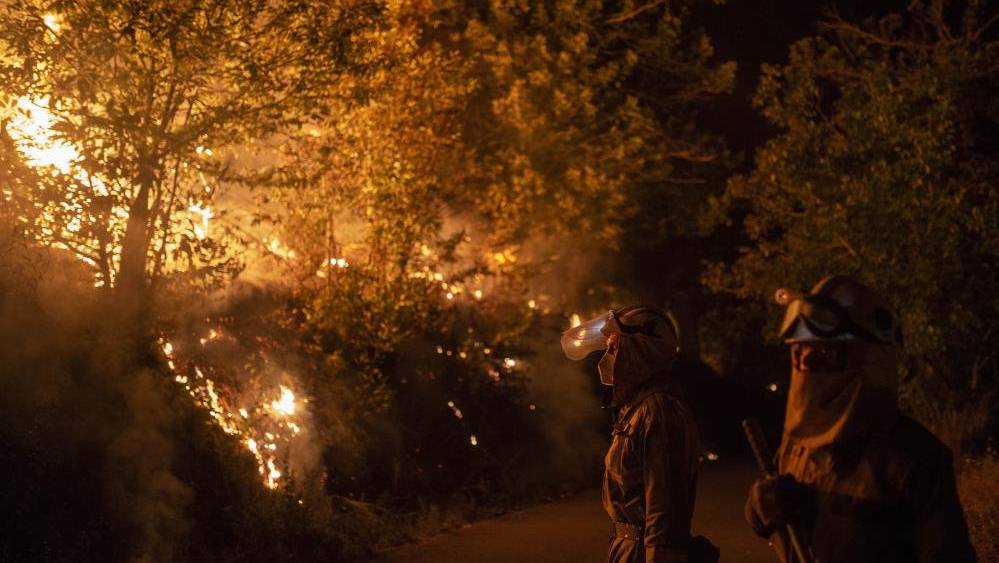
x,y
651,321
580,340
837,308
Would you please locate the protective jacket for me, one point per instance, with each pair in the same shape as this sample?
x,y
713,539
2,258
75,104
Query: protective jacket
x,y
650,477
887,498
870,484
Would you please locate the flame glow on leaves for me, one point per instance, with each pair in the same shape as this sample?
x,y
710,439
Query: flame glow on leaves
x,y
63,223
31,127
31,130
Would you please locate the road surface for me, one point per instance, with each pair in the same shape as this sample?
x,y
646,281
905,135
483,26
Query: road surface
x,y
575,530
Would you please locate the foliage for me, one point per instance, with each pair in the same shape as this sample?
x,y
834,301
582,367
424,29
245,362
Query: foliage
x,y
579,105
420,212
885,169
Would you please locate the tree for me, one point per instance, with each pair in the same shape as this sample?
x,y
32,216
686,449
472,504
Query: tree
x,y
885,169
579,107
422,212
127,105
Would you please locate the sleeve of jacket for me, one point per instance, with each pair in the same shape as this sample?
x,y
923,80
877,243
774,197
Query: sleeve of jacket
x,y
940,532
667,531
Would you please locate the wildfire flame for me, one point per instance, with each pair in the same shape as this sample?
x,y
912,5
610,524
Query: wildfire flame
x,y
53,22
286,404
259,434
204,215
31,129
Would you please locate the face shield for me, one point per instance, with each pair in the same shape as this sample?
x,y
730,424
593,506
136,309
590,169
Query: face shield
x,y
648,336
591,336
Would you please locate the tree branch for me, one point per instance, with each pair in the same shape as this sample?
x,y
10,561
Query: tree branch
x,y
636,12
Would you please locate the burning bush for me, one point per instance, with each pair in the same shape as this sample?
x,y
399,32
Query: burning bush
x,y
107,459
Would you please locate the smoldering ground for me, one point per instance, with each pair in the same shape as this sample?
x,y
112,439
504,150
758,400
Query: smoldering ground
x,y
88,428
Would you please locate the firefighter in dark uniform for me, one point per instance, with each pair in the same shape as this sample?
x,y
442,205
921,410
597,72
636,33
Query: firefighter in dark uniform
x,y
862,482
651,467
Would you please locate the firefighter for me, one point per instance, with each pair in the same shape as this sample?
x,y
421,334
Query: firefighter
x,y
861,481
651,467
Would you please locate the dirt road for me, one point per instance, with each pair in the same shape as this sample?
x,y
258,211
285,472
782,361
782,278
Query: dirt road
x,y
576,530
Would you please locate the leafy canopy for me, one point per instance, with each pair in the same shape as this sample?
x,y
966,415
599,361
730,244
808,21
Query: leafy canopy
x,y
885,169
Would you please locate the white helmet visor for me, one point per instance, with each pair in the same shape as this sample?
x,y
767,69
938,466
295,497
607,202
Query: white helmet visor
x,y
580,340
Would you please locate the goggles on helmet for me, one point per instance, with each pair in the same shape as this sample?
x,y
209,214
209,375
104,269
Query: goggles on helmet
x,y
817,317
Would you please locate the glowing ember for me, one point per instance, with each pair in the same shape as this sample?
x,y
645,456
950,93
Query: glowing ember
x,y
510,363
204,215
272,475
53,22
575,321
772,387
278,249
473,440
505,257
286,404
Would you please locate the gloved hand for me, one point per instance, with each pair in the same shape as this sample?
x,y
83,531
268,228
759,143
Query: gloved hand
x,y
773,501
701,550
